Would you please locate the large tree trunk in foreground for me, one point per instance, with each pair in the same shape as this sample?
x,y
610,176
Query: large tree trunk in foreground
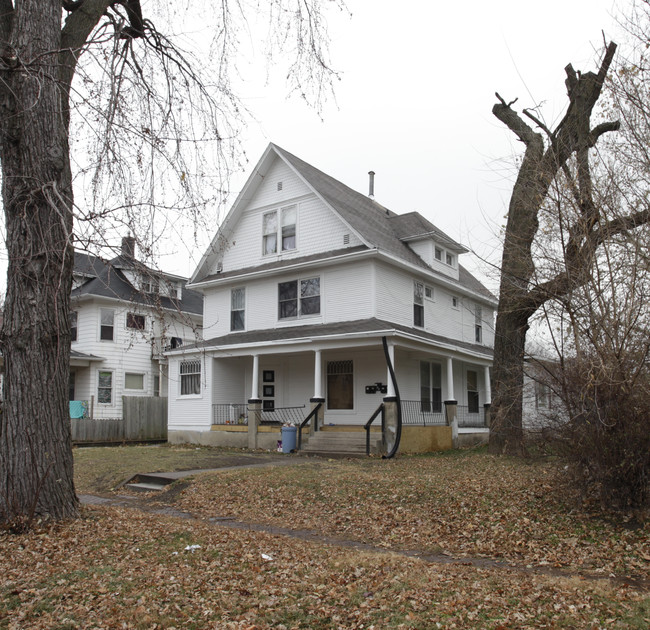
x,y
35,441
519,296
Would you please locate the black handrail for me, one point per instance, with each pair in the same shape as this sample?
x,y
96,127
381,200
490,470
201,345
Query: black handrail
x,y
366,426
312,413
398,431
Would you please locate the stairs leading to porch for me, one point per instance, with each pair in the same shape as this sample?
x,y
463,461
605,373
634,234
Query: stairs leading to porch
x,y
340,443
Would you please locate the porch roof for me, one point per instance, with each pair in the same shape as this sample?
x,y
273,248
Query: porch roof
x,y
315,332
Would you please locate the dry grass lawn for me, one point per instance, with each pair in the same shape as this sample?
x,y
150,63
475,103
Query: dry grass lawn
x,y
126,568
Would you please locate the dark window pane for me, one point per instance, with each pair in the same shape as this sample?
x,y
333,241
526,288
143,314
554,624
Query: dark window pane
x,y
418,315
237,320
289,309
310,306
310,287
288,290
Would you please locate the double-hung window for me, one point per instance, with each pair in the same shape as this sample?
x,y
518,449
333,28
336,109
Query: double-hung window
x,y
190,376
279,230
105,388
106,324
418,304
472,391
478,323
430,387
237,309
299,298
73,325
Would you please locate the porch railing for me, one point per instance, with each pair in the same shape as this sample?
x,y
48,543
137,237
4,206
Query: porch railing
x,y
234,413
379,410
237,413
283,415
413,414
470,417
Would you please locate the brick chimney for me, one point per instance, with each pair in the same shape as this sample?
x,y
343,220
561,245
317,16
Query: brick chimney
x,y
128,246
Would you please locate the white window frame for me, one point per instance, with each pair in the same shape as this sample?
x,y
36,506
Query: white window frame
x,y
111,388
455,302
135,328
478,323
283,228
234,310
299,299
103,311
135,389
189,377
418,302
74,325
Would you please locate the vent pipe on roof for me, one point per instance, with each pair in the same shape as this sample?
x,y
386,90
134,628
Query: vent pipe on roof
x,y
371,184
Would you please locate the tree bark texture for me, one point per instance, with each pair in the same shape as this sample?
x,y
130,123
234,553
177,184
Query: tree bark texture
x,y
35,443
519,298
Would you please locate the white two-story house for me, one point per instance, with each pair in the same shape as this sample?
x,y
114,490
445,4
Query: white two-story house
x,y
301,283
123,315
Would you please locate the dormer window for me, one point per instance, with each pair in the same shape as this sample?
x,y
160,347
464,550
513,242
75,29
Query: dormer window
x,y
150,285
449,259
438,254
279,230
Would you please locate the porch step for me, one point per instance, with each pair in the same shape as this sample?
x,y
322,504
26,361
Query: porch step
x,y
341,443
149,482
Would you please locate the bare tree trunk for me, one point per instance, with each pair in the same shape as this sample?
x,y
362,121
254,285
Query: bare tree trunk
x,y
35,441
519,297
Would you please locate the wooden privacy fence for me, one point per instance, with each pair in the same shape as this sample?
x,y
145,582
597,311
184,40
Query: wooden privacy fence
x,y
144,419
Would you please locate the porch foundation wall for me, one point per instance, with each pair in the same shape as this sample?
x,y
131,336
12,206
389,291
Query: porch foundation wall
x,y
266,440
425,439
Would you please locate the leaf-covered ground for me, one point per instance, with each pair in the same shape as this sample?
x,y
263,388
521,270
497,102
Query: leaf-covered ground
x,y
464,505
124,568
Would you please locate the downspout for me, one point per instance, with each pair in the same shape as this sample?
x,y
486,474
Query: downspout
x,y
398,431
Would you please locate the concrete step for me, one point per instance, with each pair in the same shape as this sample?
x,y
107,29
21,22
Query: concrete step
x,y
144,487
345,443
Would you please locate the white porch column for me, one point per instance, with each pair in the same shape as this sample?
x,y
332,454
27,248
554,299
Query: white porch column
x,y
450,379
318,375
255,380
488,389
390,390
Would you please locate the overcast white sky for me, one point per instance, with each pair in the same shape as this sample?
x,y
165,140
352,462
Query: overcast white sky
x,y
414,105
414,102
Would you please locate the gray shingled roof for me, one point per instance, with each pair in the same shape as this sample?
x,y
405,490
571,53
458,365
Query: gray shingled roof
x,y
371,325
106,279
376,225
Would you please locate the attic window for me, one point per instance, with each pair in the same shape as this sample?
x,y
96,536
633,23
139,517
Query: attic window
x,y
438,254
279,185
150,285
346,239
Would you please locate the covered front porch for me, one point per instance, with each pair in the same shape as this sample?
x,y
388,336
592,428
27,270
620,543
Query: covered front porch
x,y
255,389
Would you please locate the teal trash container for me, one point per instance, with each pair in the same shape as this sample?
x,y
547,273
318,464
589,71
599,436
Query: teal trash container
x,y
289,439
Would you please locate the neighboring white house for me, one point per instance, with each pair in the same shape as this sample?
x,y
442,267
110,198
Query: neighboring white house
x,y
301,283
123,315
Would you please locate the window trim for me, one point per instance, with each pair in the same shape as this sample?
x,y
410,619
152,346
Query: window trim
x,y
74,325
430,402
102,325
478,323
418,303
241,310
111,388
133,315
299,299
187,376
136,389
278,233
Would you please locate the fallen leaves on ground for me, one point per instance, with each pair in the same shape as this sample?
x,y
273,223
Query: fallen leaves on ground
x,y
467,505
118,568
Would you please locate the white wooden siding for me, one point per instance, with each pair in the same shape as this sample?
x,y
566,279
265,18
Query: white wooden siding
x,y
190,413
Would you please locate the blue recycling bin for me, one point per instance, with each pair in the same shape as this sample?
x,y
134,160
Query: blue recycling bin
x,y
289,439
